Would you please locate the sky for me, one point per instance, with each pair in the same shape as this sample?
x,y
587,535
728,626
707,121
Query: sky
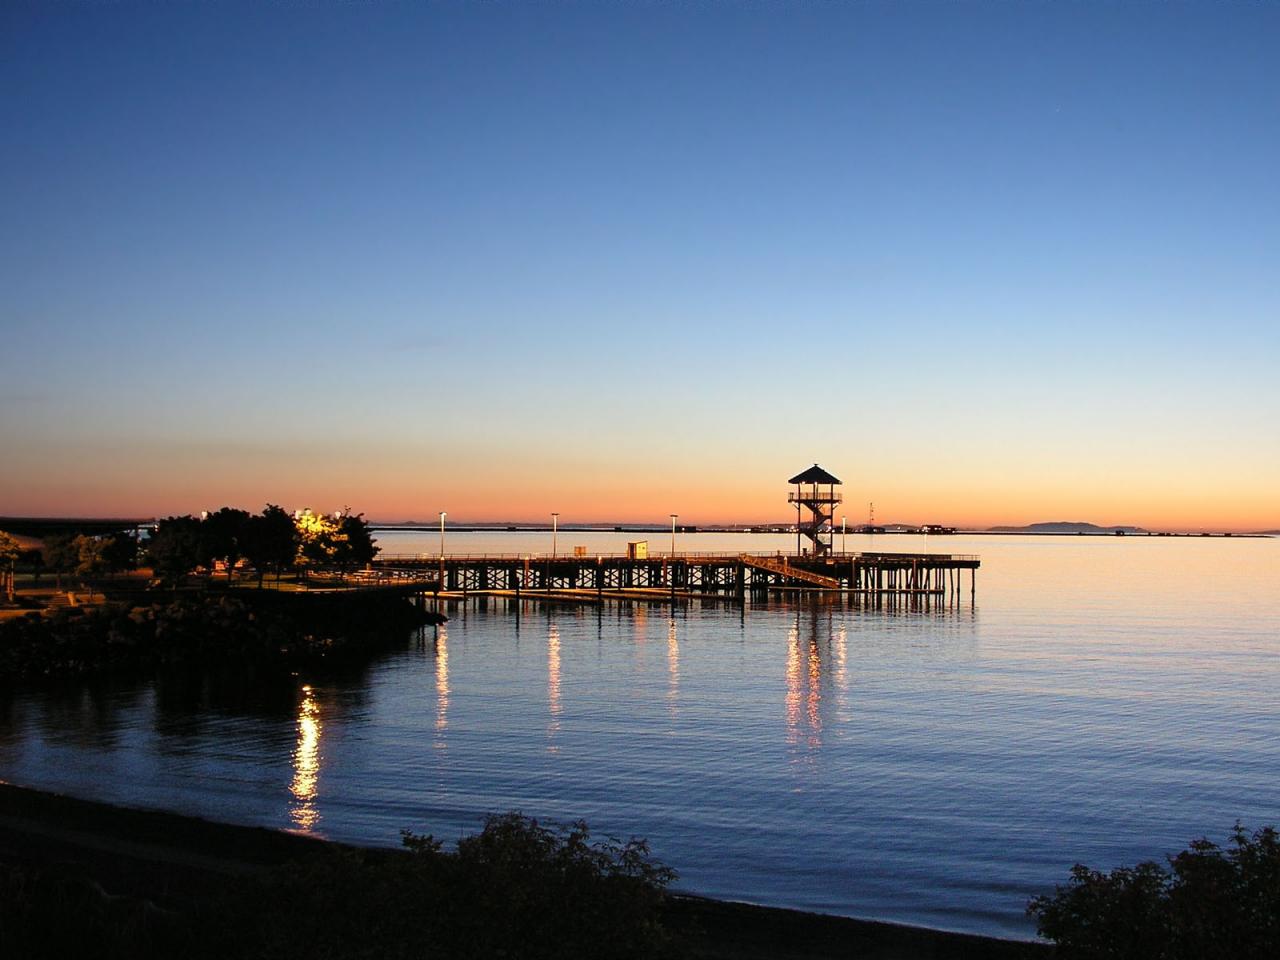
x,y
986,262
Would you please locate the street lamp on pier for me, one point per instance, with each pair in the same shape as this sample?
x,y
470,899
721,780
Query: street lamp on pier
x,y
673,533
442,516
555,523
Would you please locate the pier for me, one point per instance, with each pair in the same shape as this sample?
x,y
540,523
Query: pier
x,y
914,578
892,577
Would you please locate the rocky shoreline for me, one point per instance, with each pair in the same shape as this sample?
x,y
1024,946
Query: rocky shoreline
x,y
260,629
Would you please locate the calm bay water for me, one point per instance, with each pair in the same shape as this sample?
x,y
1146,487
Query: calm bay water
x,y
1105,700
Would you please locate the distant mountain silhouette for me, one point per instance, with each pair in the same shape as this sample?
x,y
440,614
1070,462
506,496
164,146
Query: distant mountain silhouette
x,y
1066,526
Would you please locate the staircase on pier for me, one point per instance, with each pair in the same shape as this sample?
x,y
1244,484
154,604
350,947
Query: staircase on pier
x,y
785,570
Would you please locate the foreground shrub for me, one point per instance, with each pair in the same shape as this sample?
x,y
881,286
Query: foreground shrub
x,y
1207,903
516,890
560,894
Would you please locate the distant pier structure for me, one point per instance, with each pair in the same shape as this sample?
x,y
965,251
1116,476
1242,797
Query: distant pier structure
x,y
918,579
819,526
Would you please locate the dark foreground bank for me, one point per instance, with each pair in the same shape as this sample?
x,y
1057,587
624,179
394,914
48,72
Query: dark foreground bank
x,y
106,881
254,630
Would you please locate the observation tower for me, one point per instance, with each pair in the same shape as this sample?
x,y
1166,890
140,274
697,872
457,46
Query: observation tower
x,y
809,492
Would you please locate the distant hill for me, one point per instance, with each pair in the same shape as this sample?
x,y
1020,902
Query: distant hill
x,y
1066,526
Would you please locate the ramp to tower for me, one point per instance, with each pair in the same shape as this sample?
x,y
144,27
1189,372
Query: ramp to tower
x,y
784,569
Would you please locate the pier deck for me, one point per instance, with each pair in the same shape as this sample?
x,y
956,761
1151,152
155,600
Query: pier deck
x,y
897,575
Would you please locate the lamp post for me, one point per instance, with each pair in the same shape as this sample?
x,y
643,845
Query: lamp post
x,y
555,523
844,535
440,579
673,533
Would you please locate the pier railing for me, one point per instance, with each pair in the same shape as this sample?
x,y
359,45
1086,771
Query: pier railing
x,y
391,558
362,580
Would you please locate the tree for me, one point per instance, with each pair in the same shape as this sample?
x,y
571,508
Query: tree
x,y
341,540
318,539
92,554
121,552
355,543
225,531
35,557
177,547
61,555
9,551
271,541
1208,903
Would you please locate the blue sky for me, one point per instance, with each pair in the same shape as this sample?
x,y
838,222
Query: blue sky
x,y
989,261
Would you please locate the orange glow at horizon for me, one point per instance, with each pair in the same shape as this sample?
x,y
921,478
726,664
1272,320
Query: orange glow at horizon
x,y
963,493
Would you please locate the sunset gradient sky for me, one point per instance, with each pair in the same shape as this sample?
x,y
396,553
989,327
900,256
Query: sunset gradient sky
x,y
988,263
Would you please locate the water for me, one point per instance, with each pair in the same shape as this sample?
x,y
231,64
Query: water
x,y
1107,700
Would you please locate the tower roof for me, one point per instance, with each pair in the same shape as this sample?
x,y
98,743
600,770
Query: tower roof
x,y
814,474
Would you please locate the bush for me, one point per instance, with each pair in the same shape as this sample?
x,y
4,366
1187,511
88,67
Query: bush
x,y
558,894
1207,903
516,890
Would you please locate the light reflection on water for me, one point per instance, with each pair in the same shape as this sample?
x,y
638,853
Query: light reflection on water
x,y
933,767
441,644
306,764
554,707
673,668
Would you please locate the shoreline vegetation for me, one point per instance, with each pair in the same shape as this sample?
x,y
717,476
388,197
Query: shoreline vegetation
x,y
142,883
270,592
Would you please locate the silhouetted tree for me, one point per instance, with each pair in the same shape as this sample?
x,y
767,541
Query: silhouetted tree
x,y
121,552
92,558
177,547
271,541
35,559
225,531
355,543
61,555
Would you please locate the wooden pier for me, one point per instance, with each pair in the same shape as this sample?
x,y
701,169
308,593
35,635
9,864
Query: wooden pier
x,y
914,578
892,577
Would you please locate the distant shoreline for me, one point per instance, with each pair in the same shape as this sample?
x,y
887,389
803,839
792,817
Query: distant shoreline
x,y
36,527
430,528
